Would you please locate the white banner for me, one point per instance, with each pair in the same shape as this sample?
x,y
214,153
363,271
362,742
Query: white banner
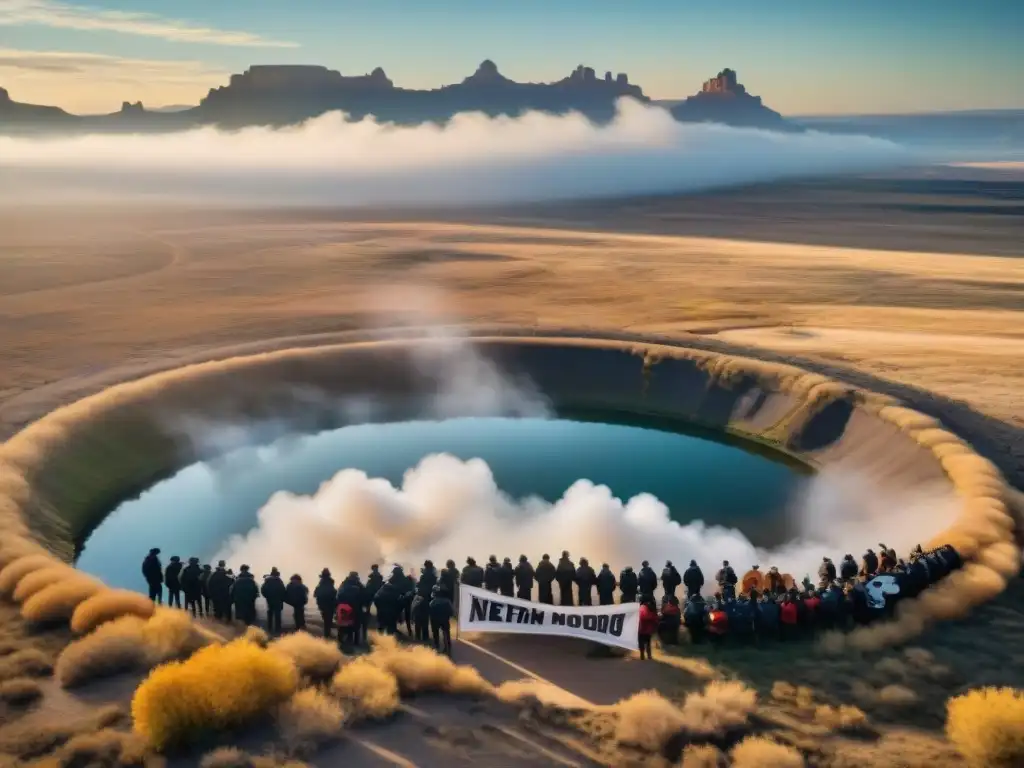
x,y
483,611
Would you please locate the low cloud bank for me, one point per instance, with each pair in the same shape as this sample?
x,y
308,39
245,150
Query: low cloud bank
x,y
449,508
473,159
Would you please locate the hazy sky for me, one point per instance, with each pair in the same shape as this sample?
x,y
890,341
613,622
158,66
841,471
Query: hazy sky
x,y
801,56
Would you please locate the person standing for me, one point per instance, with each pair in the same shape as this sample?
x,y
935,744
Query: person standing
x,y
153,573
244,594
647,580
219,588
191,586
585,580
374,581
172,578
449,579
204,588
492,575
606,585
297,595
565,575
506,578
441,612
472,574
274,592
648,626
325,595
545,577
524,579
628,584
693,579
670,579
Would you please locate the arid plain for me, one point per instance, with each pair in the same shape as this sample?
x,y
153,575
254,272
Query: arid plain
x,y
918,292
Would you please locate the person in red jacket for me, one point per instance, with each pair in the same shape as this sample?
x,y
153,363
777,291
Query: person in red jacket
x,y
789,617
648,626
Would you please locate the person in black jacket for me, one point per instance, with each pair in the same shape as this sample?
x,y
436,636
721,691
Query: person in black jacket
x,y
297,595
869,565
492,575
244,593
606,585
472,574
565,575
848,569
153,573
826,572
387,601
693,579
670,579
441,612
449,579
628,584
428,579
585,580
352,593
273,591
374,581
524,579
507,578
192,587
172,578
694,617
204,585
545,577
325,594
420,610
219,588
647,580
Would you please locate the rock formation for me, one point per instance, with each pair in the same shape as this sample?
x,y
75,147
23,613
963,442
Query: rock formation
x,y
723,99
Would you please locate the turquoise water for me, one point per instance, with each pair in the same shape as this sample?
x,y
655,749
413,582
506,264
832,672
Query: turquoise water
x,y
197,509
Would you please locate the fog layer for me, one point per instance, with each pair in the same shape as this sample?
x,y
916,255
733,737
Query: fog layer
x,y
473,159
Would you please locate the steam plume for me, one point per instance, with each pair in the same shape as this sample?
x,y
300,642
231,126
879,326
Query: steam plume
x,y
473,159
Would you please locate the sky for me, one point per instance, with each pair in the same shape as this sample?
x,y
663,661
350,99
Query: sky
x,y
803,57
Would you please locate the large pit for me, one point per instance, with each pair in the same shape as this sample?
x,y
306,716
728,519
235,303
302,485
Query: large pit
x,y
64,474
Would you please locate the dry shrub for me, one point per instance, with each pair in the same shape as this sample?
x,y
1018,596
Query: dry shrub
x,y
231,757
366,690
720,707
987,726
130,644
19,568
759,752
841,718
310,718
421,670
26,662
106,748
256,635
57,602
20,692
108,605
919,658
33,582
783,691
28,740
702,756
804,697
314,657
892,667
647,720
897,696
221,686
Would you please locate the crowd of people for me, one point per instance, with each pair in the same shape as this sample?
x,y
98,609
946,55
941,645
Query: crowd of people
x,y
760,605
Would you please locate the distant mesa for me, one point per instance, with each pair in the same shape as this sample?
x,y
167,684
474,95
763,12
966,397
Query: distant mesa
x,y
723,99
286,94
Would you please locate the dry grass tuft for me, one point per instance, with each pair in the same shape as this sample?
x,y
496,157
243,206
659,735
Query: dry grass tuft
x,y
231,757
108,605
783,691
366,690
420,670
220,687
20,692
26,662
987,726
106,748
759,752
314,657
30,740
58,601
842,718
702,756
19,568
129,644
256,635
309,719
39,579
897,696
719,708
647,720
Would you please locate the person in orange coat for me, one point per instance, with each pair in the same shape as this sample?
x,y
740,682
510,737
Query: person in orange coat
x,y
648,626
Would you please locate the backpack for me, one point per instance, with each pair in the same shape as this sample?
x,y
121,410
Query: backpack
x,y
346,615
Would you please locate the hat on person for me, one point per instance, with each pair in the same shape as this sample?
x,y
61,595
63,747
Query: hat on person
x,y
193,560
274,572
175,559
155,551
325,573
